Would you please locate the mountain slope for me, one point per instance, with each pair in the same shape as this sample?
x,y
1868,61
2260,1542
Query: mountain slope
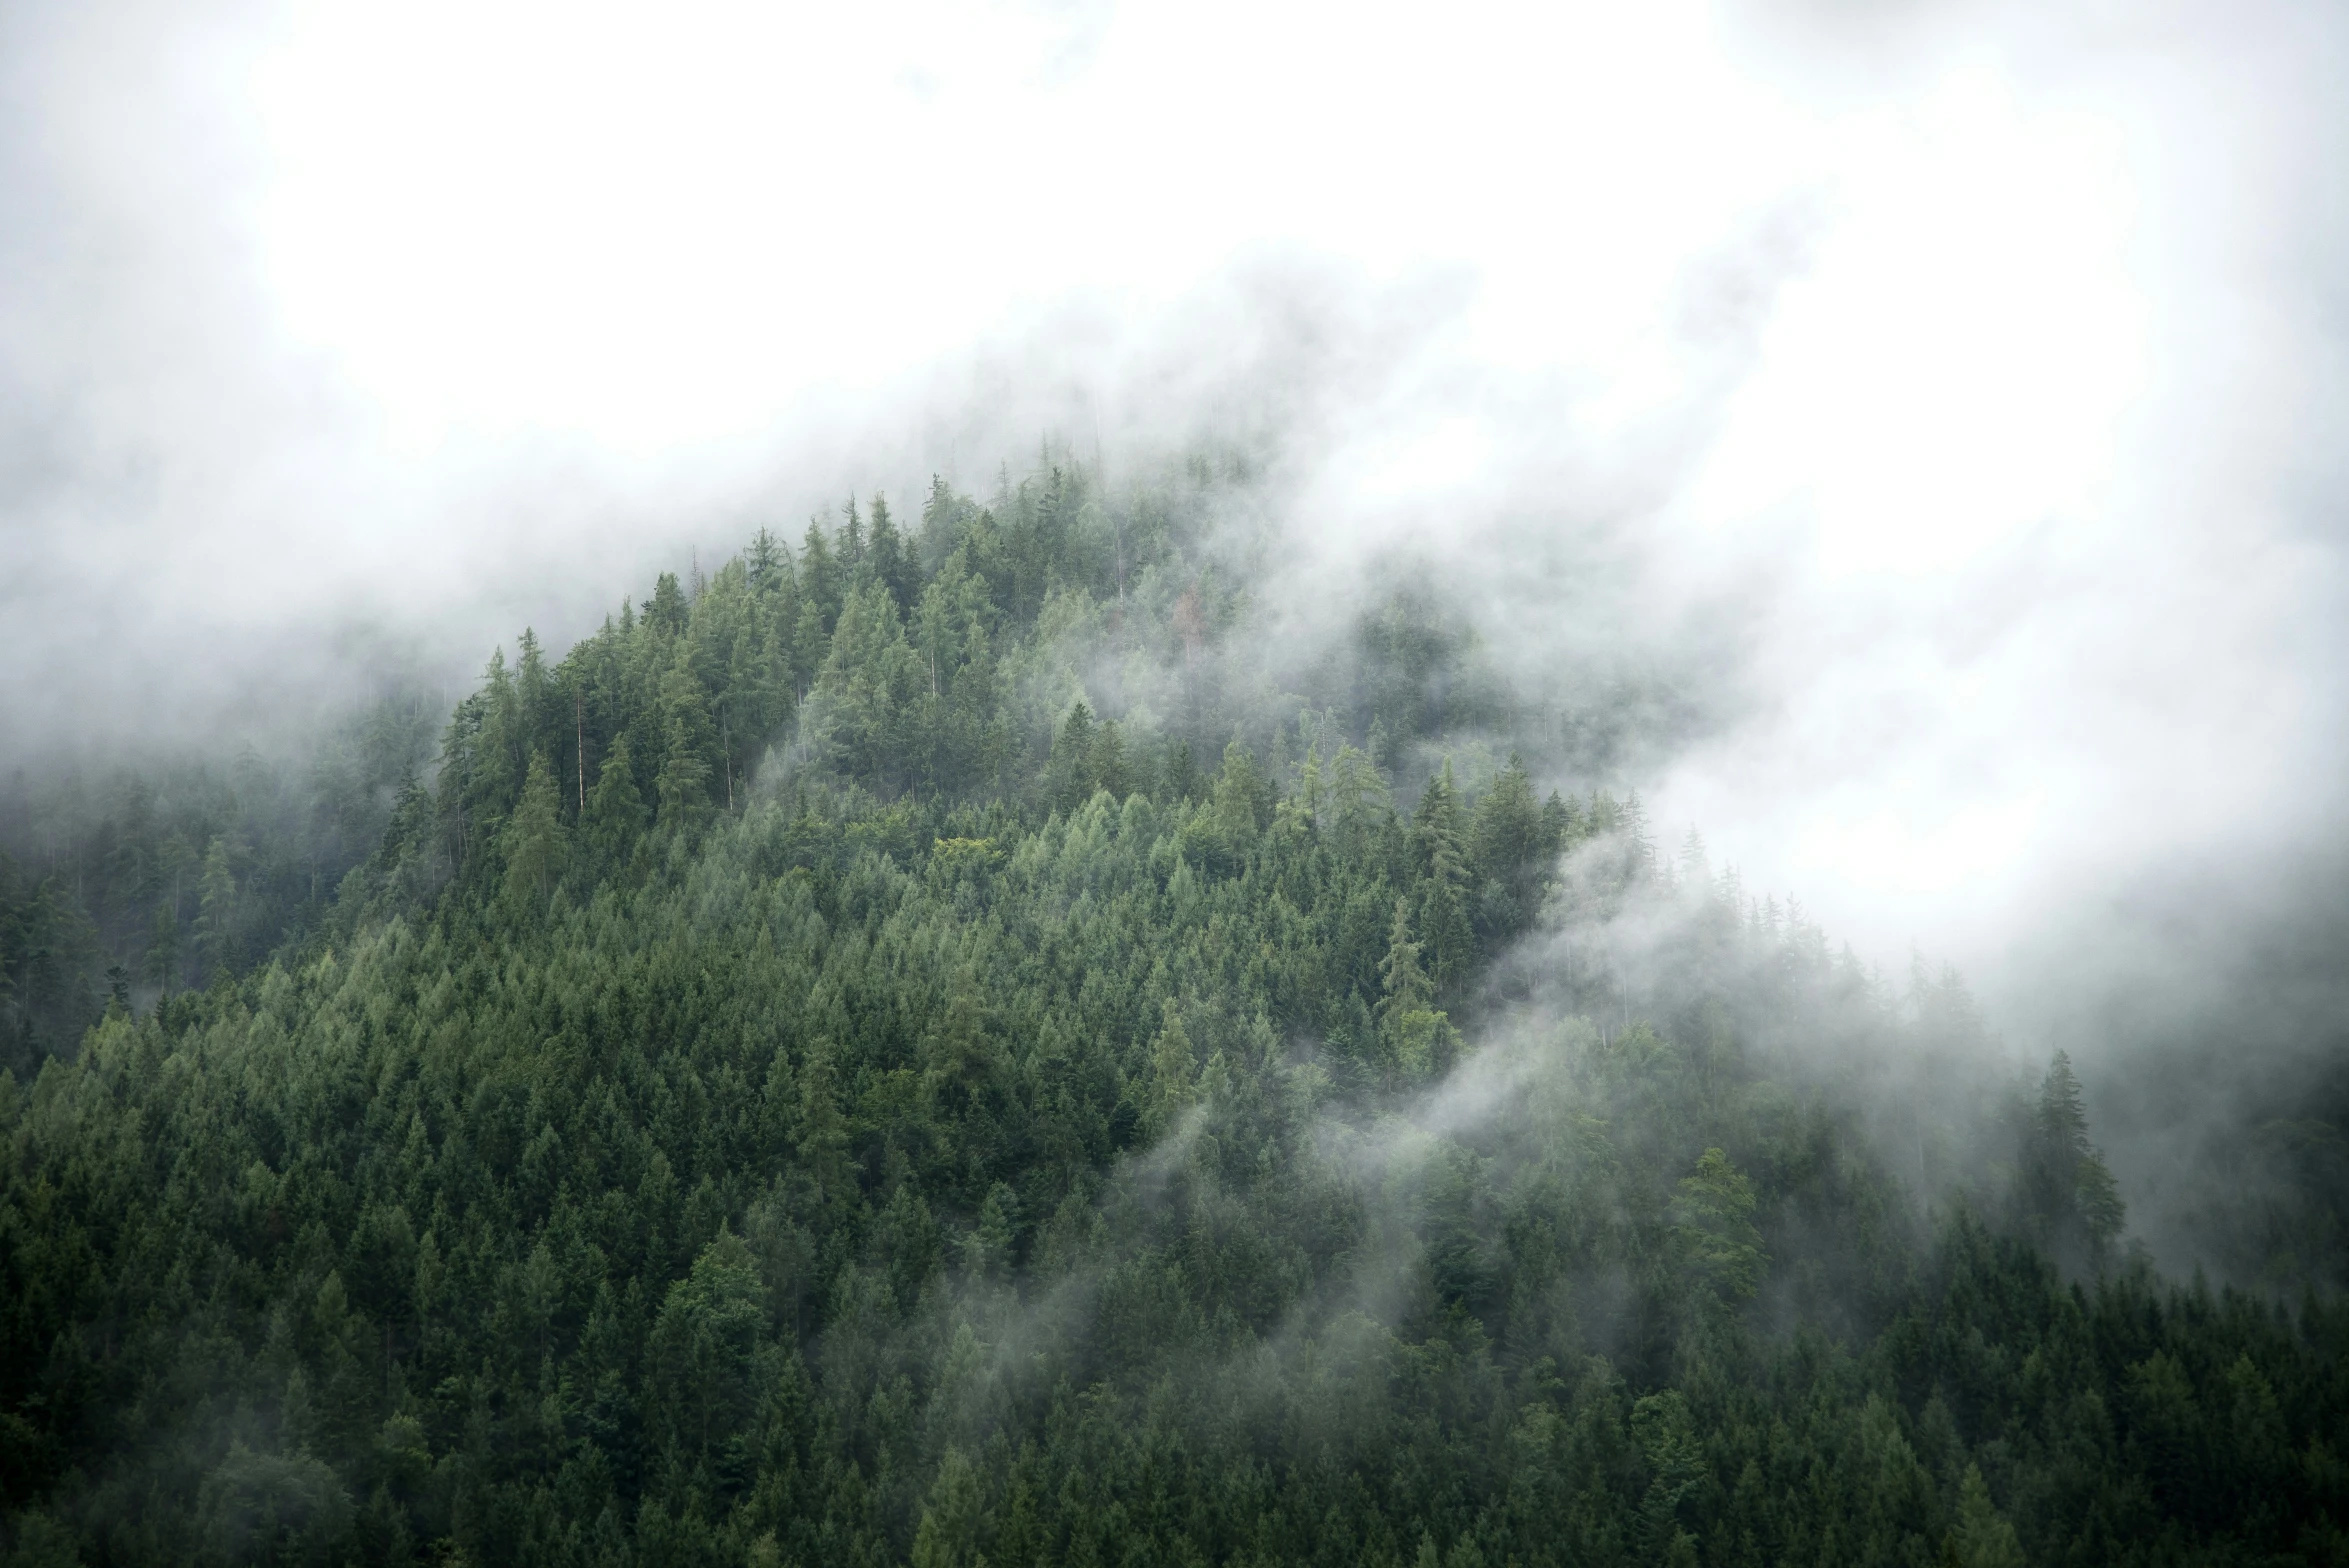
x,y
798,1084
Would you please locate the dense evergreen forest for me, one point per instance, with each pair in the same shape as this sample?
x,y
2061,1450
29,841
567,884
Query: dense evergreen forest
x,y
925,1047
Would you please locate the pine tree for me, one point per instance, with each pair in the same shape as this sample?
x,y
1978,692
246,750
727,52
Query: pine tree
x,y
688,736
162,959
1182,773
1714,1219
615,808
886,552
940,514
1174,1073
819,583
766,560
1507,851
1405,983
1983,1538
820,1147
948,1536
1639,848
1242,795
811,640
863,699
535,842
1106,763
1359,801
2070,1197
1443,915
666,612
1072,759
1561,825
852,543
531,678
216,922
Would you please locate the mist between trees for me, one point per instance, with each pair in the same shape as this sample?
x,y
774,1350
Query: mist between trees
x,y
941,1043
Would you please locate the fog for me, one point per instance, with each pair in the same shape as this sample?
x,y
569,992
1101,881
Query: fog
x,y
1943,395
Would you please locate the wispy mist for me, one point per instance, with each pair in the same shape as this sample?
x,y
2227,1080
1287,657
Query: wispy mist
x,y
1938,401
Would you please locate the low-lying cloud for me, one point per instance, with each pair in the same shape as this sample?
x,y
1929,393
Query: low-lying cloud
x,y
1941,396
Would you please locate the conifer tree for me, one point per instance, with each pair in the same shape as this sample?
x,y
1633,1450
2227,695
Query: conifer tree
x,y
1561,824
216,922
864,696
1106,762
615,807
535,842
1983,1537
1072,758
690,1222
766,559
889,561
1182,772
688,735
940,514
162,957
531,678
1714,1216
1507,852
1406,987
819,581
2070,1198
852,544
1174,1072
666,612
1443,914
1242,796
821,1141
811,640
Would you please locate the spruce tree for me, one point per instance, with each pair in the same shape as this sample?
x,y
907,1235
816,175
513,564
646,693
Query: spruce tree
x,y
819,581
2070,1198
1403,978
688,738
887,554
1072,759
615,807
1106,763
216,922
535,842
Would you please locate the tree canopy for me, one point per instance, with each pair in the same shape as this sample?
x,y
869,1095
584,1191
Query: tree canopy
x,y
904,1050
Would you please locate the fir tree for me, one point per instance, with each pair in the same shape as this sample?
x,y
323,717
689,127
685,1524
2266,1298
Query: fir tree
x,y
1072,759
216,922
615,807
535,842
688,735
888,559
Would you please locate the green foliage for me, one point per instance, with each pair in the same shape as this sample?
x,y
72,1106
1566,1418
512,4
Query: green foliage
x,y
2070,1201
811,1079
176,872
615,813
1983,1538
1714,1221
534,839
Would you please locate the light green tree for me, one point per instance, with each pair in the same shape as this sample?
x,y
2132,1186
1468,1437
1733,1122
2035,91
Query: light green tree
x,y
536,843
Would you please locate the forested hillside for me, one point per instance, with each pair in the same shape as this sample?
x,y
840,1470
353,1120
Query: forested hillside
x,y
924,1047
130,883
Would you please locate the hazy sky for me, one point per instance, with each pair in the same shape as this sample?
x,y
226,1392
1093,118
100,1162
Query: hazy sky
x,y
1980,367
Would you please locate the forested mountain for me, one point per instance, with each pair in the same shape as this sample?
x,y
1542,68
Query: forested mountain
x,y
921,1047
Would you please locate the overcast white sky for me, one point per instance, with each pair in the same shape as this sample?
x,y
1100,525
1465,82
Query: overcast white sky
x,y
1983,363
